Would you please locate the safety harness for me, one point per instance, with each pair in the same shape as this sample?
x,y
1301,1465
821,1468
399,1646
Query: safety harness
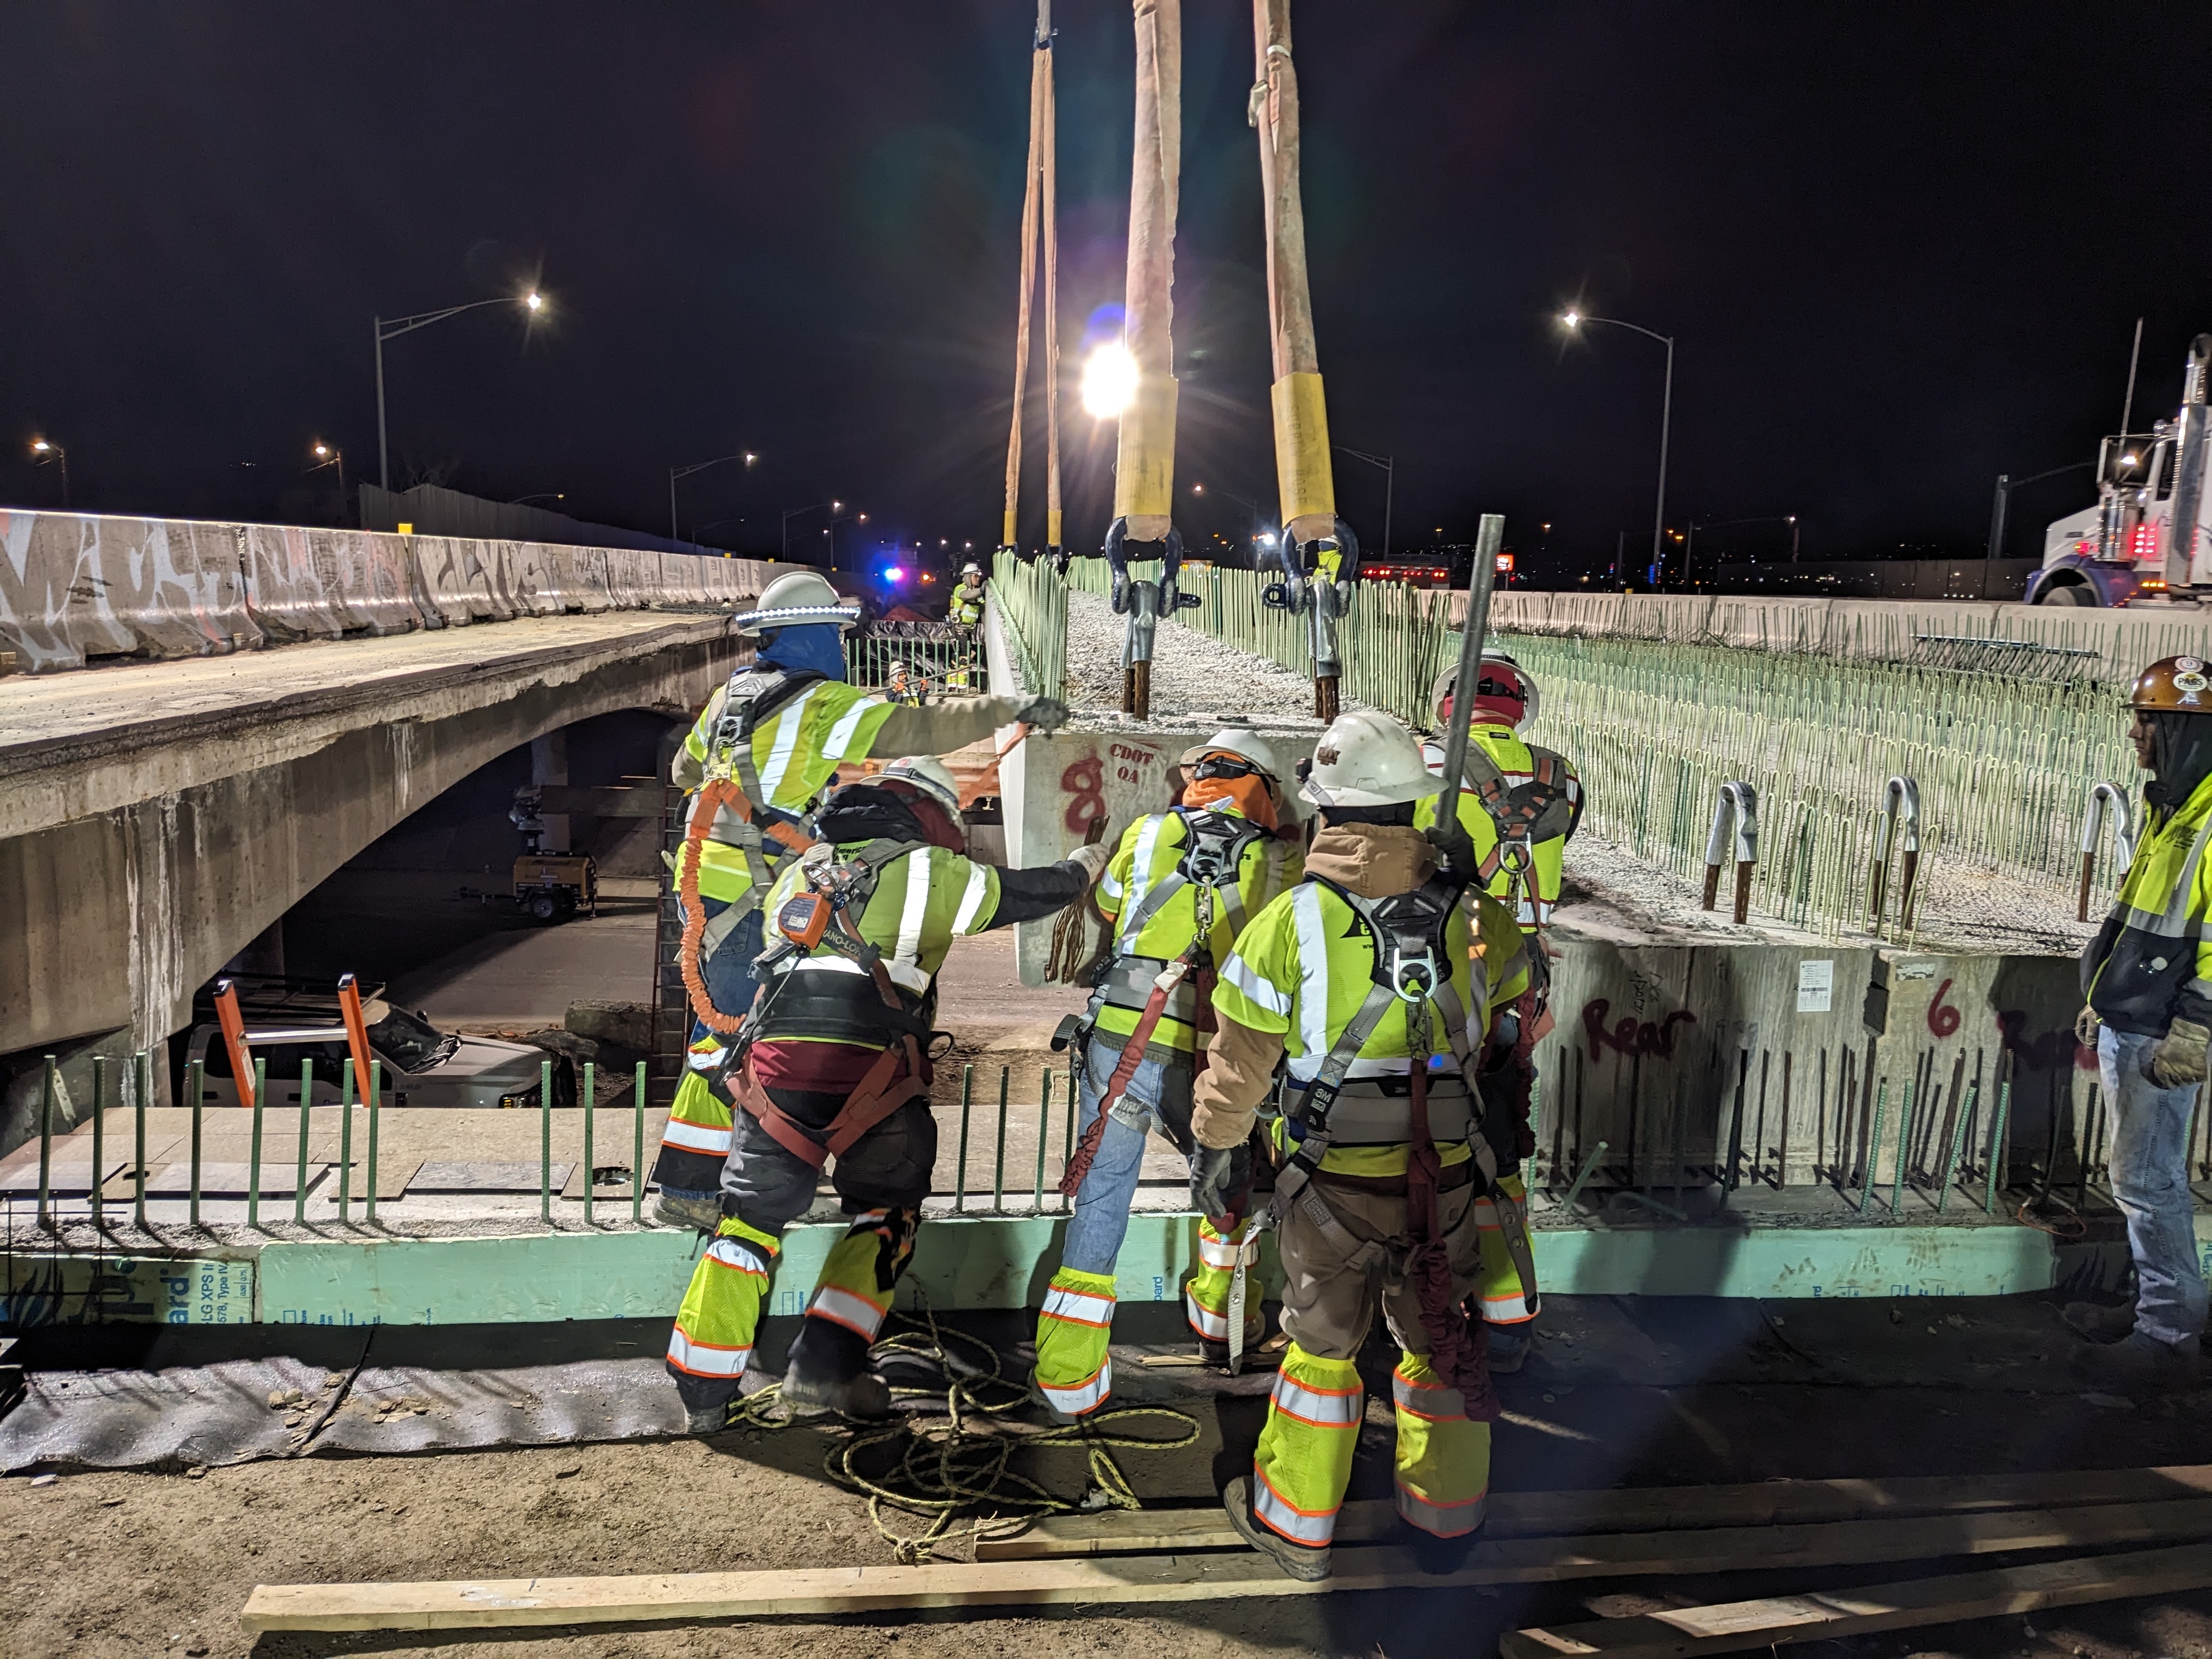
x,y
834,891
1412,965
1214,844
733,781
1516,809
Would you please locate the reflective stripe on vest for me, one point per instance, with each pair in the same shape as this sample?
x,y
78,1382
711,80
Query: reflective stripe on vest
x,y
1282,1516
1087,1395
705,1359
1323,1409
1078,1308
855,1312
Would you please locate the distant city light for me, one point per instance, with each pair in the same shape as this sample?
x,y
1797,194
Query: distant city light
x,y
1109,381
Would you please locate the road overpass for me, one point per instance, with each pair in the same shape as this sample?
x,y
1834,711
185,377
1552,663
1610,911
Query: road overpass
x,y
157,816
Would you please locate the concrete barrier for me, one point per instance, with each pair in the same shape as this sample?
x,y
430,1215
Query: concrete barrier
x,y
324,584
78,585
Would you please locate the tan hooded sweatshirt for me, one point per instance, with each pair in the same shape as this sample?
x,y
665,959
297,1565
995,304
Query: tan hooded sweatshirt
x,y
1374,860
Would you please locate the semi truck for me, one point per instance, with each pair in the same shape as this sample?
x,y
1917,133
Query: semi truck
x,y
2125,550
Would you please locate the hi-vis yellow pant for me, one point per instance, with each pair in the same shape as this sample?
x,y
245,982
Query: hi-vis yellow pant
x,y
1504,1299
711,1344
1330,1298
1074,1370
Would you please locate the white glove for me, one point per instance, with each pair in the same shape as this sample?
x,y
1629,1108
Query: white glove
x,y
1092,859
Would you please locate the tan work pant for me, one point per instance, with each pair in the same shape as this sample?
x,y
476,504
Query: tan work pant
x,y
1331,1290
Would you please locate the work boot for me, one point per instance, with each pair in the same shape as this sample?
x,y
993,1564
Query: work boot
x,y
827,1371
1303,1562
1509,1348
1438,1556
1058,1417
700,1215
2139,1362
2099,1321
1216,1354
707,1419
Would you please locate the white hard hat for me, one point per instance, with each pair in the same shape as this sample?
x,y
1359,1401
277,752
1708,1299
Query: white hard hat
x,y
800,597
1243,740
1450,679
1366,759
971,568
929,775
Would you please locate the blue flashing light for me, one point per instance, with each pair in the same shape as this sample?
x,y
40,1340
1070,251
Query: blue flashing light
x,y
894,573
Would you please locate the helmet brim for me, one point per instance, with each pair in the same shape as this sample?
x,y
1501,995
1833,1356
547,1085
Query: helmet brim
x,y
1429,784
751,625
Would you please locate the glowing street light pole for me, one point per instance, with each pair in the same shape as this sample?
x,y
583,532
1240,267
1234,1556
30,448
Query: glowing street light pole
x,y
326,456
675,472
49,451
792,512
533,302
1573,320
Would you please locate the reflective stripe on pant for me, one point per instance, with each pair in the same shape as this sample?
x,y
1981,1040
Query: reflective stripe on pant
x,y
712,1341
1074,1371
1443,1460
854,1288
1304,1462
1206,1292
1504,1299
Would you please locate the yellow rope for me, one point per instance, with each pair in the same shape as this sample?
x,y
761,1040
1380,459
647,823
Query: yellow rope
x,y
964,1460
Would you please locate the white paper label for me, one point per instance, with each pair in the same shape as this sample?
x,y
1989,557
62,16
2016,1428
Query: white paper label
x,y
1816,986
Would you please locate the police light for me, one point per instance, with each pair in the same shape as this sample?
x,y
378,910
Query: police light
x,y
894,573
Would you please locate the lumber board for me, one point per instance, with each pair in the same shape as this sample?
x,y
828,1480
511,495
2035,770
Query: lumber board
x,y
1108,1580
1647,1509
1728,1626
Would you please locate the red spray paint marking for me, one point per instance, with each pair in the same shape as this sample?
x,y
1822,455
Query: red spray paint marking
x,y
1629,1036
1086,780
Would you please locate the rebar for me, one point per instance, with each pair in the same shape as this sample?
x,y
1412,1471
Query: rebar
x,y
1583,1175
49,1082
1904,1150
99,1137
591,1099
300,1180
1873,1146
345,1139
140,1082
545,1141
253,1159
375,1105
960,1169
1044,1135
1958,1144
195,1081
637,1146
999,1164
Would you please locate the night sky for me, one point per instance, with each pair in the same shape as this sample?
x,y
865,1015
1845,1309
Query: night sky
x,y
1903,249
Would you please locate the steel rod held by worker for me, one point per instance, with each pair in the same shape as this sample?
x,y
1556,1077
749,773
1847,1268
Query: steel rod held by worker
x,y
1449,834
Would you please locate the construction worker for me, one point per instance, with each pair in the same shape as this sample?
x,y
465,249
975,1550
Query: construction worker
x,y
2147,980
832,1068
1520,805
1181,887
967,608
1383,993
761,751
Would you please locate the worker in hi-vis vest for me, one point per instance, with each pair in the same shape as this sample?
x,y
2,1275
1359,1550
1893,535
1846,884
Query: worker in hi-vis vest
x,y
967,607
832,1068
1387,995
761,750
1520,804
1181,887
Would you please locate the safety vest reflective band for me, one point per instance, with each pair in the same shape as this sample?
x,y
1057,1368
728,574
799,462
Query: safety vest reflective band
x,y
1077,1308
1210,1324
1282,1516
705,1056
1432,1401
1218,1253
1518,764
737,1255
698,1136
1079,1398
855,1312
706,1359
1324,1409
1441,1520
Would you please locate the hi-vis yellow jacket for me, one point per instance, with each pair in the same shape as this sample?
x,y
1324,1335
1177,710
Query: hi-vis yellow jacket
x,y
2151,962
1548,843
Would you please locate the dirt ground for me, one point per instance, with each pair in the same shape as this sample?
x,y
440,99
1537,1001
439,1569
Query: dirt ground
x,y
1622,1392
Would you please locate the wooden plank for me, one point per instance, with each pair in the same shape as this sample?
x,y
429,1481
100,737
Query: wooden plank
x,y
1729,1626
1650,1509
1185,1577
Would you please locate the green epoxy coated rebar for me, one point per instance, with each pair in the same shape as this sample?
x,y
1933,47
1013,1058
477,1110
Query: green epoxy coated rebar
x,y
637,1148
2000,1149
1958,1144
545,1140
998,1166
375,1106
1873,1146
99,1136
1044,1133
345,1139
195,1081
591,1099
141,1081
48,1084
960,1170
254,1169
1904,1151
1583,1175
306,1100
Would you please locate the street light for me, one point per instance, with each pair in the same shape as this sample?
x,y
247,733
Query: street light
x,y
49,453
533,302
792,512
1573,321
1109,381
675,472
326,456
1389,465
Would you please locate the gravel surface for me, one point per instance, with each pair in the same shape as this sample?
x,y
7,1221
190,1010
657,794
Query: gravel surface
x,y
1192,673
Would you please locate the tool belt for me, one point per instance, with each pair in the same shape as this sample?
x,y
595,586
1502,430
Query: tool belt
x,y
1378,1111
899,1075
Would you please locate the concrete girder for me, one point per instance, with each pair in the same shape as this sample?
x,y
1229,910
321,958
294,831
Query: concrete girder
x,y
197,840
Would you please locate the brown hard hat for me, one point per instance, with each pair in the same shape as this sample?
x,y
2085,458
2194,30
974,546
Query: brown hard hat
x,y
2176,683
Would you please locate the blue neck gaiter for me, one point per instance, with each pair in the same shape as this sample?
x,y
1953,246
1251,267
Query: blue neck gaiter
x,y
813,646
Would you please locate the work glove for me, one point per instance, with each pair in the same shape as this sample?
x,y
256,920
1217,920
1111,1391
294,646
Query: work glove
x,y
2085,1027
2179,1058
1219,1179
1045,714
1092,859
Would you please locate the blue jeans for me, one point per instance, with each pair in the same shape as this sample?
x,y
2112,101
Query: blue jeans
x,y
728,973
1161,1094
2150,1179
